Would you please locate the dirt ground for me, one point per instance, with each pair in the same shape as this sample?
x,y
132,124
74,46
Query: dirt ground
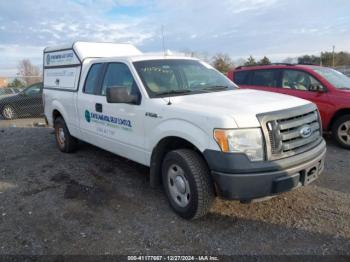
x,y
94,202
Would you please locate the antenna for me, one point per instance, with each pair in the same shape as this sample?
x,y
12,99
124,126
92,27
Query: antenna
x,y
163,45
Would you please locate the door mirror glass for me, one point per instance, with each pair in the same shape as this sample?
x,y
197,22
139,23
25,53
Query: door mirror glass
x,y
316,87
120,94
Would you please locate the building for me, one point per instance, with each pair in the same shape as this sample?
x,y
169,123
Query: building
x,y
3,82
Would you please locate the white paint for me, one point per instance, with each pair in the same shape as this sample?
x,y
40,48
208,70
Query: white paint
x,y
191,117
63,78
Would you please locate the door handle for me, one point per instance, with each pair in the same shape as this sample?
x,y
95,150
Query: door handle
x,y
98,107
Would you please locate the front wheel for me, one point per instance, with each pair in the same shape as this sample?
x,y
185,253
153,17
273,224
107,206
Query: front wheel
x,y
341,131
187,183
8,112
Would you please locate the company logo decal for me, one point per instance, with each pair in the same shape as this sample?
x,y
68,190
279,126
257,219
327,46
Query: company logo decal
x,y
109,121
87,116
62,58
305,131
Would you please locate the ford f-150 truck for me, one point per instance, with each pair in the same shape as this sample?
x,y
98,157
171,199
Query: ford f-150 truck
x,y
198,132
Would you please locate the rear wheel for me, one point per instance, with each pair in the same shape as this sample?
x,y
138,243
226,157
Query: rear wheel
x,y
341,131
65,142
8,112
187,183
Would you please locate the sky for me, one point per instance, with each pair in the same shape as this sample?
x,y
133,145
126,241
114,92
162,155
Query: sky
x,y
275,28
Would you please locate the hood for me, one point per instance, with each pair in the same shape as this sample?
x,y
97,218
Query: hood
x,y
242,104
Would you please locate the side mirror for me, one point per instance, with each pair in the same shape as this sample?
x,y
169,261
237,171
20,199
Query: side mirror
x,y
317,88
120,94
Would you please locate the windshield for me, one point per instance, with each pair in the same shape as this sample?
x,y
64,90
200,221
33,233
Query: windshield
x,y
337,79
171,77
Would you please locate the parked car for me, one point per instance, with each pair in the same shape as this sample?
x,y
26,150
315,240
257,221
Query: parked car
x,y
200,135
327,88
27,103
7,91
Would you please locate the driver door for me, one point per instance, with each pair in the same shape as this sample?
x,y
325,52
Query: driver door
x,y
298,83
120,125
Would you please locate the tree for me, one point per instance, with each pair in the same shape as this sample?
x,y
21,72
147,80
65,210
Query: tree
x,y
264,61
16,83
309,59
29,73
250,61
289,60
222,62
201,55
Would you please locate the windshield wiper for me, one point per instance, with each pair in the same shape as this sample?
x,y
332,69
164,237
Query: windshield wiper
x,y
344,88
214,88
173,92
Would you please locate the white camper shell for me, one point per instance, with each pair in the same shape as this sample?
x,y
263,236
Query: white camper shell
x,y
63,63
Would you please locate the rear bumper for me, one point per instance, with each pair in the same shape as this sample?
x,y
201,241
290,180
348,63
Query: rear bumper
x,y
281,176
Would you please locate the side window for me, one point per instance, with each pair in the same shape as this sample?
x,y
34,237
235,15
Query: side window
x,y
92,78
118,75
264,78
299,80
33,90
241,77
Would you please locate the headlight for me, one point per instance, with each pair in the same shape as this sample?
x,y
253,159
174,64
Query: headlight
x,y
247,141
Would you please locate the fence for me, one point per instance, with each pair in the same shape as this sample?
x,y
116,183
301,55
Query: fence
x,y
18,100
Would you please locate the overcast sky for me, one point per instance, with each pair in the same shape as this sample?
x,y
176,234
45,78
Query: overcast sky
x,y
277,29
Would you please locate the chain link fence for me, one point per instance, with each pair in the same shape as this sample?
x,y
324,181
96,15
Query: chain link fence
x,y
20,98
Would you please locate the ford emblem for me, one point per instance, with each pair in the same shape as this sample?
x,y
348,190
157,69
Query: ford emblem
x,y
305,131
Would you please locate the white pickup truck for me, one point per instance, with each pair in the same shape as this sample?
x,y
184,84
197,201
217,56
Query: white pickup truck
x,y
198,132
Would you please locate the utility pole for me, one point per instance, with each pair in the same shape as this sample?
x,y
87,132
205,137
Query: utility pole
x,y
333,56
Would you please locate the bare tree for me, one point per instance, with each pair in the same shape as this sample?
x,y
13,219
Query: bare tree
x,y
29,73
222,62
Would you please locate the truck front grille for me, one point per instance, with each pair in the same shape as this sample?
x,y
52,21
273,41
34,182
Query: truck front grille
x,y
293,132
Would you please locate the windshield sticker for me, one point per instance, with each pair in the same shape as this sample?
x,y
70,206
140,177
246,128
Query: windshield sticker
x,y
108,121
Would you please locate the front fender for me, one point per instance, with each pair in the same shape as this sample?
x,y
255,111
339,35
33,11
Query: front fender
x,y
182,129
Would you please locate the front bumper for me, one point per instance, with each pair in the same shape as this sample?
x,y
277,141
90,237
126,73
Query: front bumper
x,y
257,180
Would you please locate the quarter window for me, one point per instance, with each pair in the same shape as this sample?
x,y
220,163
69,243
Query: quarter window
x,y
264,78
299,80
118,75
92,78
241,77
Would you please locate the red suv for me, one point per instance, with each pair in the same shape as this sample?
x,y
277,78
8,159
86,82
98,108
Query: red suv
x,y
326,87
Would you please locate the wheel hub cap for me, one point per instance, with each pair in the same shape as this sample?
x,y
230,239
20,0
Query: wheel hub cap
x,y
60,136
178,185
344,132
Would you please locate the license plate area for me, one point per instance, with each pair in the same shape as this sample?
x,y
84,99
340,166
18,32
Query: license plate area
x,y
311,174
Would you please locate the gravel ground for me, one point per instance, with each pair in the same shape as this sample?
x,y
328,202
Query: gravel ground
x,y
93,202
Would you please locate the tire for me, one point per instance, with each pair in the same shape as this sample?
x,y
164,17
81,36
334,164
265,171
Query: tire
x,y
8,112
187,183
65,142
341,131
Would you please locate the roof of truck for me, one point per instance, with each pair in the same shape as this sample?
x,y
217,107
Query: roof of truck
x,y
144,57
93,49
107,51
